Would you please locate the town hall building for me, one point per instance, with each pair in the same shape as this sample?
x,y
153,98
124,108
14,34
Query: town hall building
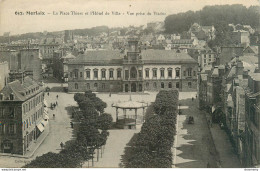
x,y
132,70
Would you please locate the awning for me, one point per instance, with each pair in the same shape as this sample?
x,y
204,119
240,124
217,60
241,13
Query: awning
x,y
45,102
44,123
40,127
45,116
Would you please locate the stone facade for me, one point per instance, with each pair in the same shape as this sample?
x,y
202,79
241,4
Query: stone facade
x,y
21,114
135,71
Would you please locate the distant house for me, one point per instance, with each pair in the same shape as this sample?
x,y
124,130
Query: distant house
x,y
184,43
203,32
251,50
160,39
206,57
241,38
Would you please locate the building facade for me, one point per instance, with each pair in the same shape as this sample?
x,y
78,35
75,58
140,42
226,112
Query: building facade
x,y
21,116
134,70
252,126
4,74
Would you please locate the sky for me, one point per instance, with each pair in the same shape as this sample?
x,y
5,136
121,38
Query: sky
x,y
18,24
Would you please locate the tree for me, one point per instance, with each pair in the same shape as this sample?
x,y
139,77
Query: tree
x,y
104,121
79,97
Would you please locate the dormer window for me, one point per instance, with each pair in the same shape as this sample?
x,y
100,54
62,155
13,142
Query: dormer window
x,y
11,96
1,96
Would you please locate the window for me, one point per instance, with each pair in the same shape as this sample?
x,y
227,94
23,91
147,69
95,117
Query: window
x,y
170,85
147,85
177,85
103,86
209,56
147,73
103,74
140,73
96,85
154,85
194,73
177,70
95,74
205,61
24,125
11,96
162,72
189,72
126,74
76,73
76,86
88,86
88,74
111,74
1,112
11,128
189,84
184,73
205,56
118,73
81,74
162,84
154,72
11,110
170,73
27,124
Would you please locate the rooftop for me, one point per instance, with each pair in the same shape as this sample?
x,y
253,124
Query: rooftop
x,y
148,56
21,92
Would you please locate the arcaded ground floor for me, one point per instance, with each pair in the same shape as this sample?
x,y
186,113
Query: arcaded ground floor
x,y
183,85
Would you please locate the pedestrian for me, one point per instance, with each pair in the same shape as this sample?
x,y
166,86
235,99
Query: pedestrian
x,y
53,116
196,96
61,145
192,98
57,96
56,103
48,93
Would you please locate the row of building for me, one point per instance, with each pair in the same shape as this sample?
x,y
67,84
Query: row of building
x,y
230,91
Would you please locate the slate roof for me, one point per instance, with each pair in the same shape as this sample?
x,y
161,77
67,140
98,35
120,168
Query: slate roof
x,y
19,90
100,57
68,56
104,57
162,56
253,48
182,41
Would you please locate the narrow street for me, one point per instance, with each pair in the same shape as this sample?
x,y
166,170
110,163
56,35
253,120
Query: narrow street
x,y
195,147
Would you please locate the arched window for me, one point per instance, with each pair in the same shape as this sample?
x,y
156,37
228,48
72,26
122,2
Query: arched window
x,y
177,71
177,85
162,84
154,85
169,85
88,86
76,86
95,85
